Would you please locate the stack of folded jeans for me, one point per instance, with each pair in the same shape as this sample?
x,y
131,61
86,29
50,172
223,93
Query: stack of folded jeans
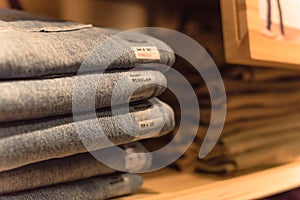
x,y
262,124
63,82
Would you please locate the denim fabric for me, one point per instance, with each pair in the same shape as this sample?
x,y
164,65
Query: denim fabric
x,y
90,189
15,15
31,48
34,99
42,147
31,142
63,170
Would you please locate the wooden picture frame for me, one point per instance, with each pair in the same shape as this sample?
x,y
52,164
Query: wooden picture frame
x,y
245,43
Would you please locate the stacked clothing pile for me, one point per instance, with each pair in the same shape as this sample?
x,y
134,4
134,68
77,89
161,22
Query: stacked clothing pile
x,y
262,124
43,149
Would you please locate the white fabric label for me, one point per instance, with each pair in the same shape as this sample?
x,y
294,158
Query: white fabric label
x,y
135,162
146,53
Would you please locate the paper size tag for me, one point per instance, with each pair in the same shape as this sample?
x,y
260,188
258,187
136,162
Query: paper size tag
x,y
146,53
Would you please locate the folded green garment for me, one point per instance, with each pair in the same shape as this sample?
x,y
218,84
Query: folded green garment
x,y
22,144
34,99
68,169
91,189
32,48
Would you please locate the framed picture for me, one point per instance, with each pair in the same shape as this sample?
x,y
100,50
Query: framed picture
x,y
262,32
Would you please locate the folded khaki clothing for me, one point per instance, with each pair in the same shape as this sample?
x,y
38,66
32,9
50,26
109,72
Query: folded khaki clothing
x,y
22,144
251,80
32,48
261,124
244,142
250,113
34,99
248,144
92,188
235,87
68,169
266,100
253,94
256,128
287,120
286,150
253,138
269,151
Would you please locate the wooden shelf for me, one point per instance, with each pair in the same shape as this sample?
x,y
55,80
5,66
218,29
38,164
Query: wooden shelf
x,y
170,184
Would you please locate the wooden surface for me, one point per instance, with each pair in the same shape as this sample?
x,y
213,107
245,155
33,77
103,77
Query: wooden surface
x,y
169,184
236,38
